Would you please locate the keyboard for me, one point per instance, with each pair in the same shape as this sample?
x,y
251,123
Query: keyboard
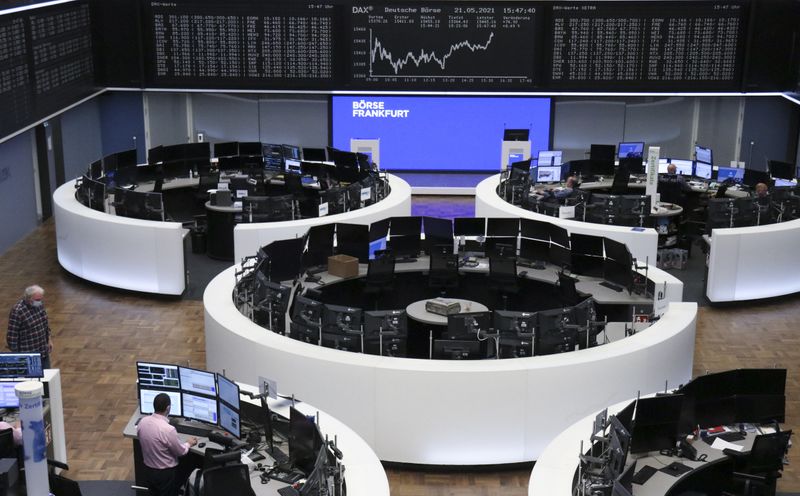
x,y
643,475
279,456
192,429
285,477
611,286
288,491
405,260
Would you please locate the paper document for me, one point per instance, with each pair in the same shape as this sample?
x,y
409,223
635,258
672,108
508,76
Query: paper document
x,y
721,444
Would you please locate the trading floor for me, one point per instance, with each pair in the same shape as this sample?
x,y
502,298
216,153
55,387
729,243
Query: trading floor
x,y
99,333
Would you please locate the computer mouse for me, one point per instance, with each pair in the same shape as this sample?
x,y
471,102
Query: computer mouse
x,y
523,273
201,445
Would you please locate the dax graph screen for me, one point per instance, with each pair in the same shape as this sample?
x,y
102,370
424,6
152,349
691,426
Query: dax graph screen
x,y
469,44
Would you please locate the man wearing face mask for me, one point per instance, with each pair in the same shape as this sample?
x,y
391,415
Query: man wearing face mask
x,y
28,330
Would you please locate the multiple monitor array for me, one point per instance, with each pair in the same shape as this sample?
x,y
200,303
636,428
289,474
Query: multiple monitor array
x,y
659,423
531,242
346,180
17,366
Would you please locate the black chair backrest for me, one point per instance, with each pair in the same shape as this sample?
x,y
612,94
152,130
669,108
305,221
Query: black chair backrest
x,y
380,270
443,263
620,184
61,486
7,448
503,269
767,453
567,291
227,480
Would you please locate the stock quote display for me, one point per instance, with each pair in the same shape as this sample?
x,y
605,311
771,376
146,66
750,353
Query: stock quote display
x,y
646,45
46,62
241,45
466,45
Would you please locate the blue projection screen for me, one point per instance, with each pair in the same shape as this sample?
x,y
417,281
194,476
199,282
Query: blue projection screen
x,y
439,133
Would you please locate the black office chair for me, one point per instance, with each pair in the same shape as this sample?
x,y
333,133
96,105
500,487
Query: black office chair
x,y
228,480
620,184
758,470
7,448
567,292
503,277
380,275
207,181
443,271
62,486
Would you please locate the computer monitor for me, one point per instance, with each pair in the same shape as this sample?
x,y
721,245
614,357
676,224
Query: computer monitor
x,y
353,240
469,226
631,150
514,323
559,235
516,134
752,177
501,226
534,250
634,165
702,170
303,439
405,225
393,324
307,311
656,423
159,375
625,416
602,153
437,232
733,174
8,398
21,365
663,163
200,408
293,166
147,395
457,349
535,229
229,420
405,246
376,246
339,319
96,169
290,152
703,154
228,391
549,157
782,170
682,167
552,337
466,325
198,381
314,154
550,174
227,149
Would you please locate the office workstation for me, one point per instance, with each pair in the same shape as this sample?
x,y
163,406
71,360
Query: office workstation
x,y
412,355
720,433
254,438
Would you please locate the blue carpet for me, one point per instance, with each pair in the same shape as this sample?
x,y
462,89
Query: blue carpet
x,y
444,180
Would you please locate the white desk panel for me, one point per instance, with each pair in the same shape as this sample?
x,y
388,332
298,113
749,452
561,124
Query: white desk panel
x,y
120,252
442,412
642,244
248,238
748,263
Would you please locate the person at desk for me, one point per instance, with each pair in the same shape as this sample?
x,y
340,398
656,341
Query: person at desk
x,y
17,431
762,193
673,170
28,328
565,192
161,448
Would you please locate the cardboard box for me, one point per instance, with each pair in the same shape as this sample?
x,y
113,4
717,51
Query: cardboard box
x,y
343,266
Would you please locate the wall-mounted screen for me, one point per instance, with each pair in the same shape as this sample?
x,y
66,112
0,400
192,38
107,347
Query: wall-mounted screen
x,y
439,133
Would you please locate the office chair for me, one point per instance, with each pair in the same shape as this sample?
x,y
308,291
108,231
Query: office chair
x,y
207,181
380,275
567,292
503,277
61,486
443,271
758,470
7,448
227,480
620,184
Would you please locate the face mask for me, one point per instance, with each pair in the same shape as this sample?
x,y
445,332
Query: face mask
x,y
37,303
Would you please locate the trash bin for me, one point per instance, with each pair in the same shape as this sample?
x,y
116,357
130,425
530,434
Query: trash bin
x,y
198,241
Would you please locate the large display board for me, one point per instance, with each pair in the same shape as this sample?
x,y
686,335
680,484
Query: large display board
x,y
653,45
442,45
241,45
439,133
45,62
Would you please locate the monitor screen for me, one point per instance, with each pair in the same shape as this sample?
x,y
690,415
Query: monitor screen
x,y
292,166
702,170
631,150
782,170
302,437
785,183
158,375
198,381
146,397
228,149
469,226
703,154
200,408
663,163
549,157
314,154
229,420
682,167
496,226
8,398
405,225
377,245
730,173
438,133
21,365
752,177
548,174
228,391
602,153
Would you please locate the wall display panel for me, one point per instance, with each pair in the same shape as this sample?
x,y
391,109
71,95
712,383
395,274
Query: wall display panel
x,y
439,133
202,44
45,62
454,45
690,46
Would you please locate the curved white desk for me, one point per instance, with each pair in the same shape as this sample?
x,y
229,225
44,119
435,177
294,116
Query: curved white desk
x,y
120,252
441,412
748,263
248,238
642,243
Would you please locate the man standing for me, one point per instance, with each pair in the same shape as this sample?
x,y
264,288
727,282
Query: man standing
x,y
28,330
161,448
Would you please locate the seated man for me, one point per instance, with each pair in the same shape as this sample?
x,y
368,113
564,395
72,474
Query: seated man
x,y
764,201
562,193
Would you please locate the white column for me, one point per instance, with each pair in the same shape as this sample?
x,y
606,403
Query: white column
x,y
34,442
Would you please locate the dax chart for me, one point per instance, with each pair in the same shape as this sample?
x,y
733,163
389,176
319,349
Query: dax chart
x,y
469,45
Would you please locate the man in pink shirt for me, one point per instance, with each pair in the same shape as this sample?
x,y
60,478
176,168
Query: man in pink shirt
x,y
161,448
